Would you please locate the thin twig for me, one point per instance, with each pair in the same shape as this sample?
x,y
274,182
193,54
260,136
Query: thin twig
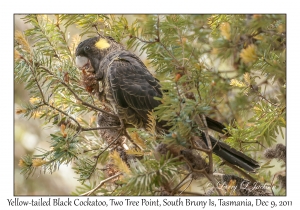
x,y
35,78
97,157
275,175
179,96
252,142
199,148
262,97
157,40
63,112
145,41
42,28
240,171
202,121
213,181
97,30
115,189
43,97
186,187
100,128
191,193
208,176
75,95
111,143
130,139
101,183
89,150
188,61
220,114
180,183
171,54
64,39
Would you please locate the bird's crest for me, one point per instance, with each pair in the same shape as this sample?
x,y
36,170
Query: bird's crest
x,y
102,44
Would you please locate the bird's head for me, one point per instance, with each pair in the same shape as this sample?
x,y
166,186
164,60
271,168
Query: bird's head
x,y
90,52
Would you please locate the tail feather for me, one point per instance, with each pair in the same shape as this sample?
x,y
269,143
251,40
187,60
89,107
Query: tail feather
x,y
222,150
215,125
231,155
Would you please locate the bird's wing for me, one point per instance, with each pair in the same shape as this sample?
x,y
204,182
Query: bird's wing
x,y
133,85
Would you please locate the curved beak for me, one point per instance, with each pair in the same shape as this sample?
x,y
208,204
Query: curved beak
x,y
83,63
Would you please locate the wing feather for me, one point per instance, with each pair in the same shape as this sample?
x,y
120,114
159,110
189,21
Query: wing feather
x,y
133,85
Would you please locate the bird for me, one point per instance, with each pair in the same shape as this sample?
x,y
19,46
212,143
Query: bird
x,y
131,91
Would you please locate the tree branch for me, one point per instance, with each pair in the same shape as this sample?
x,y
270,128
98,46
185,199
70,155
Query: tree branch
x,y
75,95
240,171
201,122
262,97
186,187
100,128
101,183
182,182
213,181
97,157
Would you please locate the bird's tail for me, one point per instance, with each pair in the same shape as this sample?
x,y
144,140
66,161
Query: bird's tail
x,y
211,124
226,152
222,150
232,155
215,125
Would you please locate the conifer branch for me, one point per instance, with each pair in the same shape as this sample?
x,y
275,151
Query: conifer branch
x,y
64,39
201,121
98,156
44,102
142,40
56,54
75,95
158,40
63,112
30,65
262,97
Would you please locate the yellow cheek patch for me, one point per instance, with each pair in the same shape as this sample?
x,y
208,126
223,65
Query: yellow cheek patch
x,y
102,44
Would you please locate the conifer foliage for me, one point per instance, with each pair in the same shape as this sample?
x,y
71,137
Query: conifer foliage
x,y
231,68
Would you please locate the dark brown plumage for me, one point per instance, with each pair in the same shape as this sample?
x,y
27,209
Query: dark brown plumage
x,y
130,89
128,86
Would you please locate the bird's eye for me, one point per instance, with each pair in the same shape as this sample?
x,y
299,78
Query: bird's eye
x,y
87,48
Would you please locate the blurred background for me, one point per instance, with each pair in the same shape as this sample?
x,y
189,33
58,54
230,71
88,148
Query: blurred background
x,y
30,135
